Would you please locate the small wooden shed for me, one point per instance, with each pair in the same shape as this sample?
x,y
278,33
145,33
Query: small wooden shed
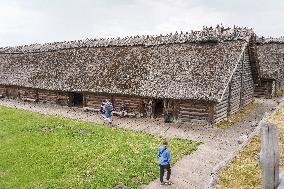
x,y
271,62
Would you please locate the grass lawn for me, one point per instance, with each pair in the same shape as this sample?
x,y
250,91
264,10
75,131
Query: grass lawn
x,y
39,151
244,171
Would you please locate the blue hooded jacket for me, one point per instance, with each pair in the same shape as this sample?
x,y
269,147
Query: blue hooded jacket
x,y
164,155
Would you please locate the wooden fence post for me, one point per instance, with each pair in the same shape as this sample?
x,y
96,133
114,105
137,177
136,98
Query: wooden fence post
x,y
269,156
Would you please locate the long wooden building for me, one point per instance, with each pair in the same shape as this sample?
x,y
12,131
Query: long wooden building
x,y
205,75
271,62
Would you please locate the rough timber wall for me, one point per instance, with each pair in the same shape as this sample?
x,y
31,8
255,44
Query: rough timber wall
x,y
2,91
221,108
239,92
47,96
94,100
248,84
62,98
133,104
28,93
235,92
32,94
194,111
12,92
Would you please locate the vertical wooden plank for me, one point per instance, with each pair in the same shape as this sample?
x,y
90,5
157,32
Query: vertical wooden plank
x,y
84,100
269,156
229,98
176,109
2,90
242,84
211,113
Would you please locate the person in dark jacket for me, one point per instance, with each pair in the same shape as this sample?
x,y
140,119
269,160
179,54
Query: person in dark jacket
x,y
123,109
164,156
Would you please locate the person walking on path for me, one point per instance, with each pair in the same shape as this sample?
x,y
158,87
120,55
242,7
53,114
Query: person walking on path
x,y
108,109
164,155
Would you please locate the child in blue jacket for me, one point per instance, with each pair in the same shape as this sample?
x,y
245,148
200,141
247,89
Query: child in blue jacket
x,y
164,155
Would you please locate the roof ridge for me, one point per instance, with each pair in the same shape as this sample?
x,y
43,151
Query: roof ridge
x,y
207,34
264,40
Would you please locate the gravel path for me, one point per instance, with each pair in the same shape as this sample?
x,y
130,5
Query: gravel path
x,y
191,171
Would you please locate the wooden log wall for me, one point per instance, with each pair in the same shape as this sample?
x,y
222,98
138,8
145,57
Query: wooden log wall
x,y
221,108
193,111
176,108
2,90
24,93
47,96
236,90
268,88
58,97
263,90
248,84
94,100
239,92
63,98
133,104
28,93
12,92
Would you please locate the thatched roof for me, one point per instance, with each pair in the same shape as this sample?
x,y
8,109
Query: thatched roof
x,y
179,70
271,58
218,34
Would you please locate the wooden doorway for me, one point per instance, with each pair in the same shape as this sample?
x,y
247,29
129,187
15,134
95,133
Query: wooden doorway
x,y
76,99
158,108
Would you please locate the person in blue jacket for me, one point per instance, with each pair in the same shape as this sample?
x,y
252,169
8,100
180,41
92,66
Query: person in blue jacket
x,y
164,155
108,107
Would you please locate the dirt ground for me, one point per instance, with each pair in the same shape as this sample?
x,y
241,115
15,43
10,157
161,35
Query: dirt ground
x,y
191,171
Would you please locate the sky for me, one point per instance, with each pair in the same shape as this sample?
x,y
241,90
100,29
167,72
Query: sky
x,y
40,21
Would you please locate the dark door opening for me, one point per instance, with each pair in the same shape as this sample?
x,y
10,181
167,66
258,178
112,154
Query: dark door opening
x,y
76,99
158,107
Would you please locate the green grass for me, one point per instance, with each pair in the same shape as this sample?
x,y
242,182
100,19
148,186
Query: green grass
x,y
31,157
244,171
280,92
237,116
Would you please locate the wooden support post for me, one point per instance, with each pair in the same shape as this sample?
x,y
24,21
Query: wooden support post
x,y
176,109
269,156
242,81
229,99
211,113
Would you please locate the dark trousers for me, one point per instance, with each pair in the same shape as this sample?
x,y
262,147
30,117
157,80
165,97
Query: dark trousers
x,y
162,171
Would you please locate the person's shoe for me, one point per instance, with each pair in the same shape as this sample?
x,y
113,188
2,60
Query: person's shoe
x,y
163,183
168,182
